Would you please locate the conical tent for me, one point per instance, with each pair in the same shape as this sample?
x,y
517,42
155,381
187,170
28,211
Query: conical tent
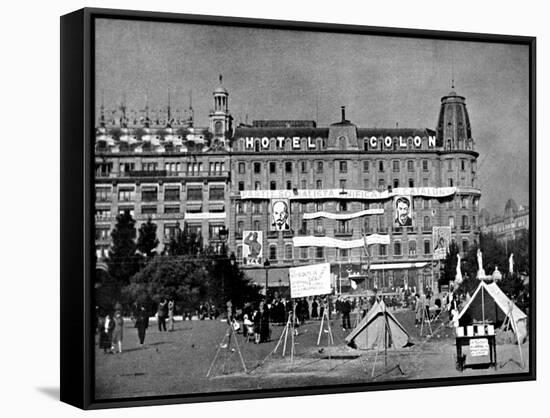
x,y
489,304
378,328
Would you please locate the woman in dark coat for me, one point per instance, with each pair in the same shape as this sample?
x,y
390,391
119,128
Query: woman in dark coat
x,y
142,323
264,324
256,320
314,307
106,326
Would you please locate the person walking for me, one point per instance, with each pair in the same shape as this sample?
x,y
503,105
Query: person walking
x,y
345,307
162,313
117,332
106,326
142,323
171,316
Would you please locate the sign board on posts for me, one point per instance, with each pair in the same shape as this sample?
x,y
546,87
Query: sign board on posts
x,y
479,347
311,280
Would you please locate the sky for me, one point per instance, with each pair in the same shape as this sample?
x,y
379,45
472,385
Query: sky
x,y
283,74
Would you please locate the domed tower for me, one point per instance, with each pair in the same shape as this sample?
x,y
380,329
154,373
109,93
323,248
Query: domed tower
x,y
220,119
453,126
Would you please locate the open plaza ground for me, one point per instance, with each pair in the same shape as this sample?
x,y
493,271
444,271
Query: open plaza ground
x,y
178,362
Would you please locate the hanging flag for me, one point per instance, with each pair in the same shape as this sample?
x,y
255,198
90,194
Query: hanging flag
x,y
458,276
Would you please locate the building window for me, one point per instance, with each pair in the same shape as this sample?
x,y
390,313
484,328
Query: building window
x,y
149,166
102,194
319,252
101,234
288,167
303,253
462,165
425,182
465,245
450,165
241,168
411,183
172,194
319,184
148,210
257,185
288,251
342,206
149,194
427,249
216,193
424,165
381,184
343,227
241,186
126,195
257,168
289,185
124,209
214,231
171,209
381,166
464,202
303,166
240,228
342,184
427,225
465,222
126,167
343,166
194,193
395,183
474,221
412,248
410,165
383,250
240,207
272,167
365,166
273,185
256,225
366,184
425,203
170,231
304,184
256,208
450,182
395,165
319,166
452,221
397,248
273,252
101,214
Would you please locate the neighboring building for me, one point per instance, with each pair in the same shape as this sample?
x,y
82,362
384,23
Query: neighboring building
x,y
335,178
163,168
512,224
328,186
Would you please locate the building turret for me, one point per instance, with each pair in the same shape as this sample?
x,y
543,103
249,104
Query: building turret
x,y
220,119
453,126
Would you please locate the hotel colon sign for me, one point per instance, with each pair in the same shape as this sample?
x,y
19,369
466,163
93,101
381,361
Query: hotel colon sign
x,y
313,194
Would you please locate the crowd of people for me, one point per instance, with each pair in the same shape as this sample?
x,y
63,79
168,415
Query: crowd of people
x,y
255,319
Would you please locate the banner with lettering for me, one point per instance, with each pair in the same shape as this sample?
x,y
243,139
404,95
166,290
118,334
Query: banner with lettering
x,y
441,237
312,280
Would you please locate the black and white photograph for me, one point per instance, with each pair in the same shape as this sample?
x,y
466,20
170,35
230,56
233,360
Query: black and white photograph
x,y
283,208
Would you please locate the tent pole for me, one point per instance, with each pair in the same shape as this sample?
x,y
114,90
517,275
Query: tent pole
x,y
483,305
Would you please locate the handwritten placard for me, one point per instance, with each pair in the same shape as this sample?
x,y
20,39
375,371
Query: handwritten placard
x,y
479,347
311,280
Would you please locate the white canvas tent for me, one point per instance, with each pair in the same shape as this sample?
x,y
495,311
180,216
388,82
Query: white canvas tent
x,y
490,304
371,332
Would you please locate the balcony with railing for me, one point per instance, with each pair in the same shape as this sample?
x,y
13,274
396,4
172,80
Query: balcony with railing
x,y
319,232
343,232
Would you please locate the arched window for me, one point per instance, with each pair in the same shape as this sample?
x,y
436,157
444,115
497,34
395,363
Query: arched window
x,y
288,251
273,252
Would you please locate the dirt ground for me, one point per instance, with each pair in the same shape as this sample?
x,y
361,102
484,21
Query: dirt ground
x,y
178,362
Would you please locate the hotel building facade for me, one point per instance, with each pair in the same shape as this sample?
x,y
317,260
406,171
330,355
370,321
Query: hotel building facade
x,y
339,187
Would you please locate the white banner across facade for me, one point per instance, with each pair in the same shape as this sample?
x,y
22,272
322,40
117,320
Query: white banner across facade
x,y
311,280
348,193
343,216
312,241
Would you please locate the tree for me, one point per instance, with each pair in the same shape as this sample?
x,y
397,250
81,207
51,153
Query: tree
x,y
123,262
147,240
184,243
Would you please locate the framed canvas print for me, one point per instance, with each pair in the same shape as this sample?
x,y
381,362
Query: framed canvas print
x,y
257,208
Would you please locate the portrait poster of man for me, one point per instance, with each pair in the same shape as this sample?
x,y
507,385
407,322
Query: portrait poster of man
x,y
441,237
403,211
252,247
280,215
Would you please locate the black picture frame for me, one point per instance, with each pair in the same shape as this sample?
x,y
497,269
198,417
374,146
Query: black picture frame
x,y
77,220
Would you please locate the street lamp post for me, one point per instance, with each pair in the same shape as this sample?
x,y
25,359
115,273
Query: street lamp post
x,y
266,266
